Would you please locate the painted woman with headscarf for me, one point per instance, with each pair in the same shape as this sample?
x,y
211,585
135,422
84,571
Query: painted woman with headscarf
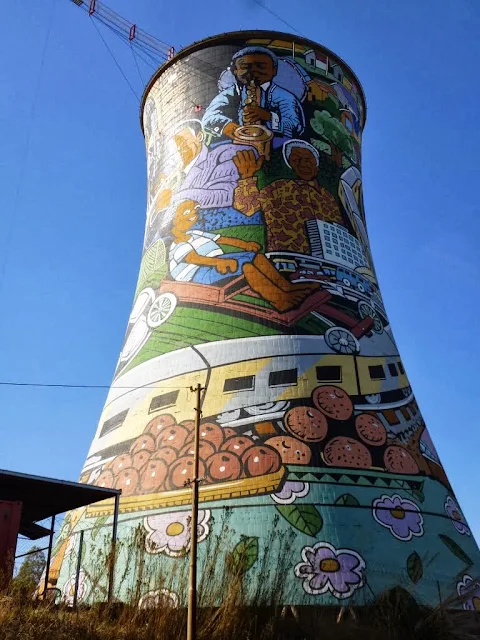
x,y
286,203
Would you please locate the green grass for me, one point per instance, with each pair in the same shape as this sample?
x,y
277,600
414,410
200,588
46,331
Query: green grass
x,y
188,326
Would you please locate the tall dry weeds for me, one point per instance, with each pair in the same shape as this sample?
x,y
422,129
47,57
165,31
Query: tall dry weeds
x,y
233,603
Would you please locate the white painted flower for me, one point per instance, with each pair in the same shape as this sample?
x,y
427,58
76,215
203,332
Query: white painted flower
x,y
160,598
69,588
291,491
169,533
72,544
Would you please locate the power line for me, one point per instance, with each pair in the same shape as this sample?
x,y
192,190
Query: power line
x,y
84,386
23,161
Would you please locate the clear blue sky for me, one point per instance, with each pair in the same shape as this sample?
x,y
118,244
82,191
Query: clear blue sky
x,y
72,242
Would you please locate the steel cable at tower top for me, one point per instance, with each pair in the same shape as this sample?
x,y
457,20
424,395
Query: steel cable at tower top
x,y
115,61
134,44
271,12
136,64
24,157
99,11
156,50
146,49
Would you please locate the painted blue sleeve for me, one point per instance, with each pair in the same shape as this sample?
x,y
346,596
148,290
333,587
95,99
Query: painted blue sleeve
x,y
290,112
215,117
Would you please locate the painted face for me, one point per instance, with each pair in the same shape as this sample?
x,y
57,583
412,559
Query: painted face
x,y
303,162
258,67
188,144
186,215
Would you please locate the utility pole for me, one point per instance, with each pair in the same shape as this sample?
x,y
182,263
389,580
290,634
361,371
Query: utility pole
x,y
192,582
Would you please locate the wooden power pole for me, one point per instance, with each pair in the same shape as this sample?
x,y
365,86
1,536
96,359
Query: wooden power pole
x,y
192,583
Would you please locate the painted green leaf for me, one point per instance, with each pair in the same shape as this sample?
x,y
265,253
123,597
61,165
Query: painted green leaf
x,y
99,522
414,567
418,493
455,549
306,517
58,544
347,500
245,553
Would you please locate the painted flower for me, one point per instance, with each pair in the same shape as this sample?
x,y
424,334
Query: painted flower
x,y
456,516
469,590
169,533
325,568
291,491
402,517
69,588
160,598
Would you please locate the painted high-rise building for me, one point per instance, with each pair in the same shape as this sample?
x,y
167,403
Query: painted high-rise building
x,y
257,281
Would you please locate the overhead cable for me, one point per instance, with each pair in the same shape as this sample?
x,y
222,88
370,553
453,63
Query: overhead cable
x,y
85,386
23,161
288,24
115,61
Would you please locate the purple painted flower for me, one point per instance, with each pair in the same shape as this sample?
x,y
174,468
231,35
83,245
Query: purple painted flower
x,y
325,568
291,491
469,590
456,516
402,517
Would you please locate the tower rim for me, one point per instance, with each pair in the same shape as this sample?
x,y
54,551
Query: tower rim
x,y
245,34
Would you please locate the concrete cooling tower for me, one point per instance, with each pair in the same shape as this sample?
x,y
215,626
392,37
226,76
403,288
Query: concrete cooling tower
x,y
257,282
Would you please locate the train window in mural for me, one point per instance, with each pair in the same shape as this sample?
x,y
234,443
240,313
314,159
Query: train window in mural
x,y
286,377
257,282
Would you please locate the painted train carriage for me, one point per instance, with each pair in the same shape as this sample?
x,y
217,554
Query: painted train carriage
x,y
257,282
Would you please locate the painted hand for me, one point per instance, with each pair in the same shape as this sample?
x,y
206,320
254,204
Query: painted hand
x,y
251,246
225,266
247,163
252,114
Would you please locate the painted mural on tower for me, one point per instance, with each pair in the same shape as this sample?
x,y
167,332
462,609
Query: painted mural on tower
x,y
257,281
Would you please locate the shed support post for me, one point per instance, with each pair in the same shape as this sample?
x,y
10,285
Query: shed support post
x,y
113,552
49,557
79,565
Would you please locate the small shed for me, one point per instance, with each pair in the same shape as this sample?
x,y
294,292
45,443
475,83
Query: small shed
x,y
26,499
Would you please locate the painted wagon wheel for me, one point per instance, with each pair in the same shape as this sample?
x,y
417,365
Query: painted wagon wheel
x,y
365,310
342,341
135,339
161,309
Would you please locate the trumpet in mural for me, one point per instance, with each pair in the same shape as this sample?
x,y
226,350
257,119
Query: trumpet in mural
x,y
257,282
